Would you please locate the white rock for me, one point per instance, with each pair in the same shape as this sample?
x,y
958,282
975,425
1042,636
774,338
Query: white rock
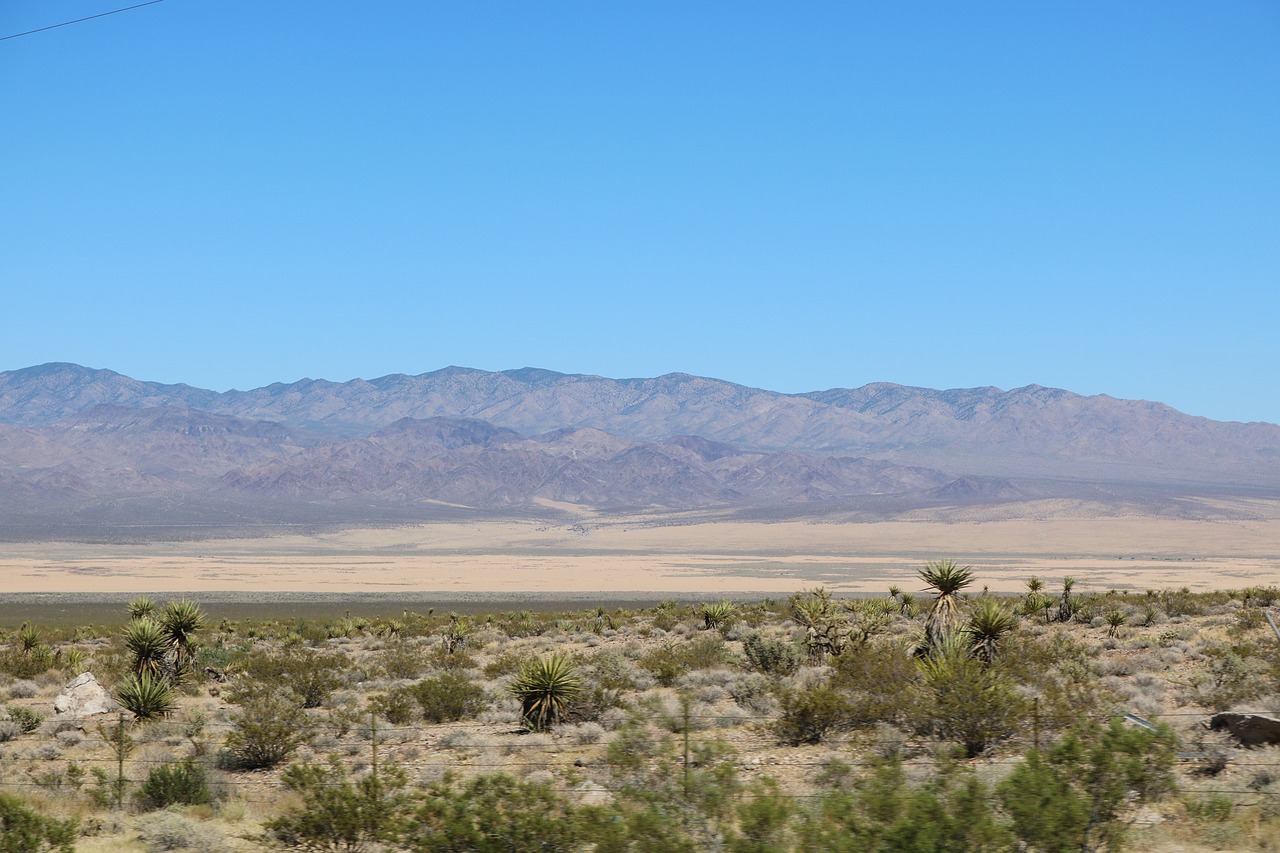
x,y
84,697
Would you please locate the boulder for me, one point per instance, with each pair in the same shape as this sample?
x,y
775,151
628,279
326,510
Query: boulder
x,y
1249,729
84,697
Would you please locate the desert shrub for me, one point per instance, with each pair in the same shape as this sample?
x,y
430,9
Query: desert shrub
x,y
23,689
270,726
754,694
963,700
504,664
310,674
1074,796
809,713
863,676
337,813
402,660
772,657
165,831
9,730
613,671
494,814
23,830
27,719
952,813
1236,674
183,782
396,706
448,696
26,664
672,660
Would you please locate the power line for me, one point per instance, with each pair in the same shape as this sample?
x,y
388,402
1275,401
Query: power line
x,y
81,20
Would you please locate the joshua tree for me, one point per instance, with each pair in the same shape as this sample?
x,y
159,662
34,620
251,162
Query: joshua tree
x,y
823,626
544,687
1067,608
988,624
146,641
180,620
946,579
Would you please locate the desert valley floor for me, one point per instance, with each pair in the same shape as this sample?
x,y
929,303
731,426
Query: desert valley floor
x,y
1225,547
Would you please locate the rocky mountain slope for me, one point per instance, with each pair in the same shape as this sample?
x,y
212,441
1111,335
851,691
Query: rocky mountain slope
x,y
529,437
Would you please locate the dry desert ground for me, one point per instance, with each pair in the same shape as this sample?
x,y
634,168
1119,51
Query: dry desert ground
x,y
1225,548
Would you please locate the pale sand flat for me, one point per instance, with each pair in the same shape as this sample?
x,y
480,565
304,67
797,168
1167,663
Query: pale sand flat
x,y
641,555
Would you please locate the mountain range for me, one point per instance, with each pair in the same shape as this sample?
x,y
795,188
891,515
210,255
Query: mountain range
x,y
82,447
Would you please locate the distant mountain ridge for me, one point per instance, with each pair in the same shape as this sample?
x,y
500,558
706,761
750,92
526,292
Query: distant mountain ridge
x,y
516,438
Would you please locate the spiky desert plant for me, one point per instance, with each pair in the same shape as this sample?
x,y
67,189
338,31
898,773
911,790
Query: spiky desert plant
x,y
73,661
907,604
146,696
455,636
180,620
141,607
1034,585
946,580
823,625
1067,608
720,615
545,686
29,638
987,627
149,646
1115,619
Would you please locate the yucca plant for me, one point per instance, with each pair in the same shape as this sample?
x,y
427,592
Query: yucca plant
x,y
1115,619
907,604
145,696
180,620
720,615
823,625
148,644
29,638
73,661
988,625
141,608
1067,608
946,579
545,686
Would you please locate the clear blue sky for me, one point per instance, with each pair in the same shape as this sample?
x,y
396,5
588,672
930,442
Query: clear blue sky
x,y
794,196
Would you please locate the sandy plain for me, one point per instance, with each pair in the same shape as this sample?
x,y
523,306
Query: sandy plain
x,y
1219,546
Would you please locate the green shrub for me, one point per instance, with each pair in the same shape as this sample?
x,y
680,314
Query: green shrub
x,y
27,719
672,660
494,814
810,713
338,814
269,727
772,657
180,783
23,830
449,696
396,706
312,675
1074,796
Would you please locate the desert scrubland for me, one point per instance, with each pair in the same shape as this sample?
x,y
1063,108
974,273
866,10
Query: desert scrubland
x,y
782,720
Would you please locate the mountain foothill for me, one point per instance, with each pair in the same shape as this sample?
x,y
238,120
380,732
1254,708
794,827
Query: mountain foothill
x,y
83,447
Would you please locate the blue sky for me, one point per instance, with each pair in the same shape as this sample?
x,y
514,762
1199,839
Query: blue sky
x,y
797,197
